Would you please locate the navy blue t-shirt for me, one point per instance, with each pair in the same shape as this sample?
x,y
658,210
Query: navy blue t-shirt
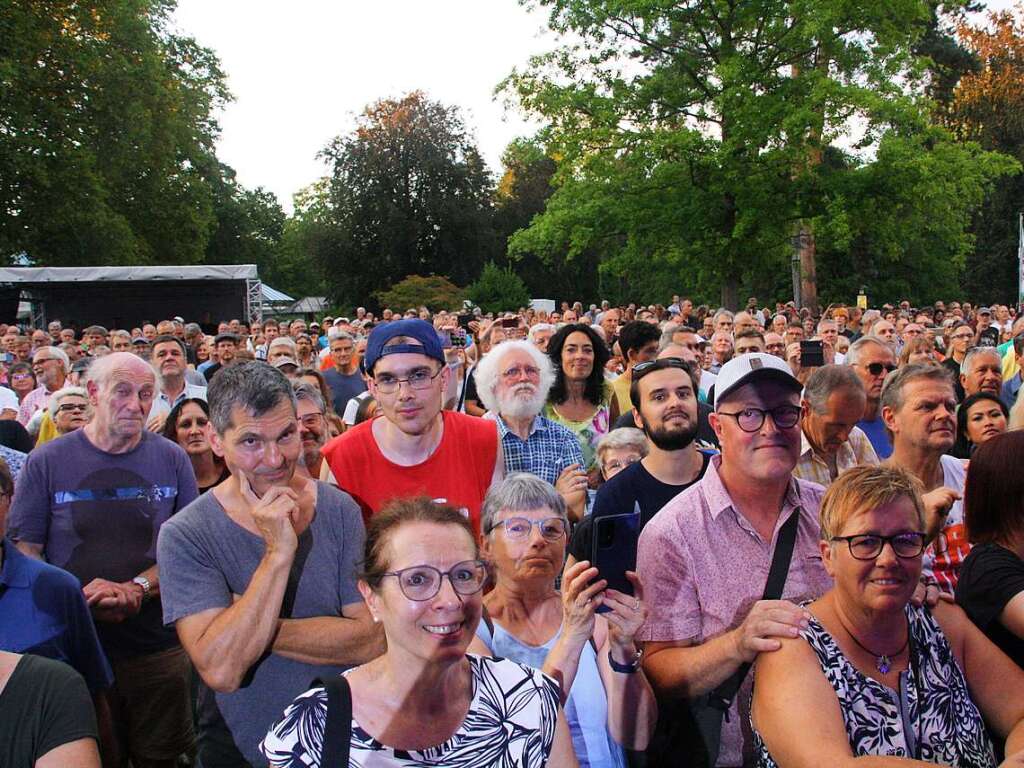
x,y
879,438
43,612
344,386
619,496
97,515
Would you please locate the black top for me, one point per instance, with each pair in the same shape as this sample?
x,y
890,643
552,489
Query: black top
x,y
954,368
633,485
990,577
44,705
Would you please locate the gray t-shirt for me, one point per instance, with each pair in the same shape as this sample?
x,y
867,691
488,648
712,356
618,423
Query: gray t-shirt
x,y
206,557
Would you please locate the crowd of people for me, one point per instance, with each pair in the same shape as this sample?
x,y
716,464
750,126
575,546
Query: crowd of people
x,y
635,536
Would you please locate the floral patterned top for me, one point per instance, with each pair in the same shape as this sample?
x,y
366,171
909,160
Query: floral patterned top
x,y
589,431
511,722
942,725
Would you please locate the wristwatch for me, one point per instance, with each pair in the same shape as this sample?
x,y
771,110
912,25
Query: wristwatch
x,y
630,668
143,582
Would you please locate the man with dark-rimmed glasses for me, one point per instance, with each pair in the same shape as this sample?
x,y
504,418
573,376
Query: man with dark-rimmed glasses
x,y
416,448
705,556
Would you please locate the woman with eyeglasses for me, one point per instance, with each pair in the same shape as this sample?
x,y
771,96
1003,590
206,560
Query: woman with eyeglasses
x,y
22,379
609,703
871,676
188,425
69,409
960,338
580,398
426,701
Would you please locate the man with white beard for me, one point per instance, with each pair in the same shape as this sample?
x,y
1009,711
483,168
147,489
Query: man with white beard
x,y
512,382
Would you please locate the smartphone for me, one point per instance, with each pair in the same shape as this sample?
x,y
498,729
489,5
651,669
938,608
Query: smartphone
x,y
445,337
811,354
510,322
614,549
465,320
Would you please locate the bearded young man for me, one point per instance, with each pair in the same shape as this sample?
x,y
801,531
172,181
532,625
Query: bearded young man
x,y
513,382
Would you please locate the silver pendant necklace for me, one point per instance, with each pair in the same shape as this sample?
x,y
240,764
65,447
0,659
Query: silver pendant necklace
x,y
883,661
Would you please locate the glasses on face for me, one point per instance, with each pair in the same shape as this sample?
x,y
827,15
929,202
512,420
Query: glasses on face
x,y
875,369
868,546
614,465
511,374
423,582
752,419
20,376
516,528
419,380
69,407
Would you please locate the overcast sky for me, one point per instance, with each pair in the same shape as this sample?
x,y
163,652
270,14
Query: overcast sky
x,y
301,71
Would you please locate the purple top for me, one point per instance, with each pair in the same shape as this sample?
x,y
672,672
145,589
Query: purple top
x,y
704,565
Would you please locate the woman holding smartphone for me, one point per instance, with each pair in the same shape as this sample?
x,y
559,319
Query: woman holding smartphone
x,y
609,703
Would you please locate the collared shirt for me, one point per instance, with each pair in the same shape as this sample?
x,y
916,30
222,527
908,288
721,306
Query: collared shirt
x,y
548,449
43,612
857,450
163,404
703,566
36,400
1010,390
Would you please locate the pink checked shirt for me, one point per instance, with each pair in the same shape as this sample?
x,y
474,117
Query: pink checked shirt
x,y
704,566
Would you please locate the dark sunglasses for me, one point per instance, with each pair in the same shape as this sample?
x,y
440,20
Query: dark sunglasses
x,y
876,368
642,369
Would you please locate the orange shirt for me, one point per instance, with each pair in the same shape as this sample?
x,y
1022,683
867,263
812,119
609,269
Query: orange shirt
x,y
458,472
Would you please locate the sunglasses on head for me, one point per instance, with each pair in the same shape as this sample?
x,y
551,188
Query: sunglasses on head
x,y
642,369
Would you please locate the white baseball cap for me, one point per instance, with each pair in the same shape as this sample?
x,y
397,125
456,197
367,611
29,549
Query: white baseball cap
x,y
754,366
8,400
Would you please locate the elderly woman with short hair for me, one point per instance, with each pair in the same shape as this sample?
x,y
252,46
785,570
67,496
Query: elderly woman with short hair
x,y
69,409
871,677
609,703
620,448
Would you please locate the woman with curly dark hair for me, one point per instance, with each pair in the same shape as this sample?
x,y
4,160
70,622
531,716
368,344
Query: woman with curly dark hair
x,y
580,398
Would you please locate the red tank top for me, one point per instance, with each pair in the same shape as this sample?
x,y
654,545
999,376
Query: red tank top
x,y
458,472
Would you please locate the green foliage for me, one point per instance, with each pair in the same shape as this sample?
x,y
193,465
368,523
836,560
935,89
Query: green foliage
x,y
433,292
498,290
106,134
692,143
408,194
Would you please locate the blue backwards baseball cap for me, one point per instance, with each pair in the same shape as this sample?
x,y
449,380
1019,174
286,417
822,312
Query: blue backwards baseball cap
x,y
412,328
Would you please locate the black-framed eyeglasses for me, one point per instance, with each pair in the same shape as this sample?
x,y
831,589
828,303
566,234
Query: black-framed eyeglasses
x,y
752,419
423,582
875,369
551,528
418,380
73,407
642,369
868,546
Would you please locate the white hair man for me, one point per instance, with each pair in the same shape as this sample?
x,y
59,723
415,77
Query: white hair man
x,y
92,502
51,366
513,383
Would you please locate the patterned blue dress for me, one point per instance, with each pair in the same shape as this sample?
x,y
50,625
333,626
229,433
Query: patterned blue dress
x,y
511,722
943,722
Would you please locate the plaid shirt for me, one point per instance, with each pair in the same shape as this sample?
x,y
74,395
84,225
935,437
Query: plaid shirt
x,y
548,450
854,452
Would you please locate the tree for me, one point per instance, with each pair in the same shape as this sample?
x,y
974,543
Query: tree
x,y
691,135
106,130
433,292
498,290
987,107
408,193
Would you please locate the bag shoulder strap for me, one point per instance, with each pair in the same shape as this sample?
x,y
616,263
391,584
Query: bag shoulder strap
x,y
338,727
722,696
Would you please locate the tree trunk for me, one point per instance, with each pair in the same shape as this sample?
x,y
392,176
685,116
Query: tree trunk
x,y
731,292
808,267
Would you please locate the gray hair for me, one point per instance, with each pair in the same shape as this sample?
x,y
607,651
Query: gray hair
x,y
853,353
192,329
534,330
253,386
723,313
624,437
974,353
305,391
120,334
57,397
487,372
337,333
892,389
58,354
828,379
520,492
100,368
283,341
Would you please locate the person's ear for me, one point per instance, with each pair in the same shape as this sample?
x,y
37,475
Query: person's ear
x,y
826,557
216,444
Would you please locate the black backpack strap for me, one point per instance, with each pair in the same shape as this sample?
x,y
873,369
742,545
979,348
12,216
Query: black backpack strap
x,y
722,696
338,726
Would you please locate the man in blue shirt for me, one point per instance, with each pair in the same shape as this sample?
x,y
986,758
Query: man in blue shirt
x,y
512,382
873,360
1011,387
